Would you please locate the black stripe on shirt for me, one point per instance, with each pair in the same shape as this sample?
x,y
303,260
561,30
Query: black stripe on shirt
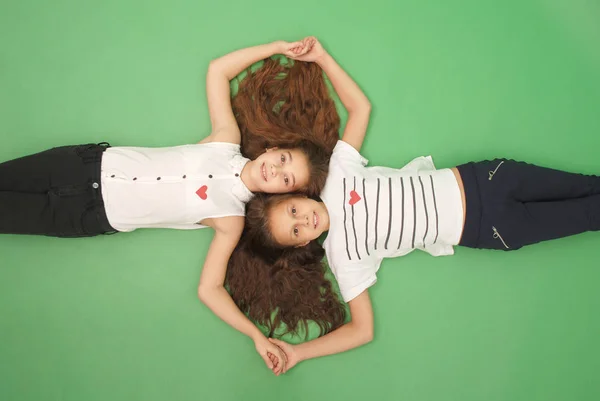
x,y
402,213
426,213
390,219
354,226
345,230
367,219
437,221
412,186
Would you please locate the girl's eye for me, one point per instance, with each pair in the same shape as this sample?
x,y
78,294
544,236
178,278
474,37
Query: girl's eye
x,y
296,231
286,180
282,159
293,210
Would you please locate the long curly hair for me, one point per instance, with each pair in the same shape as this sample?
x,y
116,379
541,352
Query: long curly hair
x,y
283,102
286,105
281,286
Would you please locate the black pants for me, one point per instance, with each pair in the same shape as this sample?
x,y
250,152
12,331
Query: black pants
x,y
511,204
56,192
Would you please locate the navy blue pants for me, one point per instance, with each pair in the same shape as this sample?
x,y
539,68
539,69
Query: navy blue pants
x,y
56,192
511,204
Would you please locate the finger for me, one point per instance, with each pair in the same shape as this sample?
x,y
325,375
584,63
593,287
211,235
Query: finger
x,y
268,362
284,367
284,357
294,44
305,50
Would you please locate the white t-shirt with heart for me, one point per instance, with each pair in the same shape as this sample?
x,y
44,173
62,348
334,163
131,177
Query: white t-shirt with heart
x,y
380,212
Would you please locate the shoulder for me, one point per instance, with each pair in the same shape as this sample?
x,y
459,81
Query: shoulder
x,y
343,151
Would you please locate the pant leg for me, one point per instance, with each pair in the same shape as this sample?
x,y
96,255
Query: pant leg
x,y
530,183
40,214
56,193
511,225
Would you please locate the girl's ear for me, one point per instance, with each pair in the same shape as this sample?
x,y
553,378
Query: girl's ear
x,y
270,149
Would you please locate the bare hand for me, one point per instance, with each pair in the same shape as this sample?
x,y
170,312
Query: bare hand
x,y
290,354
311,50
273,356
291,50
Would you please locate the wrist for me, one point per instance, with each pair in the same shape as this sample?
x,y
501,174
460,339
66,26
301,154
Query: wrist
x,y
257,336
277,47
301,352
323,58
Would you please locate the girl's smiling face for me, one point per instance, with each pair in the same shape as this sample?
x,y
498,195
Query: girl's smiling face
x,y
298,220
279,171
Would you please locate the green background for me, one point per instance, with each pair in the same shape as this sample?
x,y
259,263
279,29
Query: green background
x,y
117,317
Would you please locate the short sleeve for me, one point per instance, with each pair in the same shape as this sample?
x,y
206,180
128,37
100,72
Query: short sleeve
x,y
345,152
354,277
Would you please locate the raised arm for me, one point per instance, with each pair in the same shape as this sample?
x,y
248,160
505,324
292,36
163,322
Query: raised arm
x,y
352,97
224,69
213,294
357,332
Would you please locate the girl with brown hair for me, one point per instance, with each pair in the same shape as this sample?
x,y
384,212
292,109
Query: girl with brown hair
x,y
373,213
88,190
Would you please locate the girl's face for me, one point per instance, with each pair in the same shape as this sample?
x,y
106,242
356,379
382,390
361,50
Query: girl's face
x,y
280,171
298,220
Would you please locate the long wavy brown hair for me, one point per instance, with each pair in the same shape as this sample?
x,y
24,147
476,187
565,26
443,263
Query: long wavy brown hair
x,y
281,287
287,105
283,102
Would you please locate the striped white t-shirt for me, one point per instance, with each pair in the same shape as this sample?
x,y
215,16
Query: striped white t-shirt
x,y
380,212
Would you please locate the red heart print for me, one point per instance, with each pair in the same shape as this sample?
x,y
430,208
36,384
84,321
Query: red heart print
x,y
202,192
354,197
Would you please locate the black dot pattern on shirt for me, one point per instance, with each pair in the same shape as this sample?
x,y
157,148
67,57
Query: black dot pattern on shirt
x,y
157,178
210,176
